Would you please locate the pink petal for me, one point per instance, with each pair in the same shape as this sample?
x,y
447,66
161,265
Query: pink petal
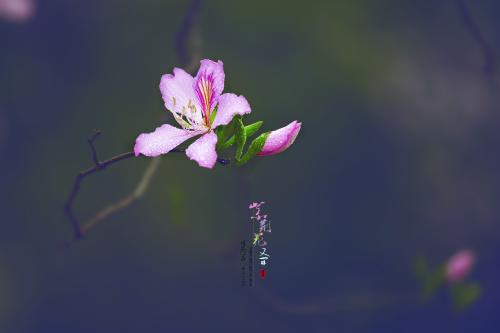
x,y
280,139
460,265
229,106
214,71
203,150
178,93
161,141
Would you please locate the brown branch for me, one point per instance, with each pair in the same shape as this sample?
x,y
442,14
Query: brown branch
x,y
90,141
125,201
78,230
98,166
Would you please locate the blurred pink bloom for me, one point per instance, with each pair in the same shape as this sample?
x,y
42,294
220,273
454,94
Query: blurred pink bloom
x,y
199,106
460,265
280,139
17,10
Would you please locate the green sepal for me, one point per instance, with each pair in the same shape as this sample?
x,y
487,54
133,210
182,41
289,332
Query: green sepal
x,y
249,131
255,147
241,137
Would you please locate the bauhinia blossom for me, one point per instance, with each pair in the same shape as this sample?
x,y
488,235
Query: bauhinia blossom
x,y
460,265
279,140
199,106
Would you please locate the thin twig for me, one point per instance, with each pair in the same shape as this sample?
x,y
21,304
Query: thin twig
x,y
91,141
139,190
141,187
98,166
125,201
475,31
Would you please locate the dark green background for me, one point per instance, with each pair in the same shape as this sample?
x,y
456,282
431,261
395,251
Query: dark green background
x,y
398,155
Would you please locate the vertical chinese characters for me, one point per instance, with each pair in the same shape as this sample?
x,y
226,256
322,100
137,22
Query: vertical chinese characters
x,y
261,225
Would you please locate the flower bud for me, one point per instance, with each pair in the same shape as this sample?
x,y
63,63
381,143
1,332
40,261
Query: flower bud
x,y
460,265
279,140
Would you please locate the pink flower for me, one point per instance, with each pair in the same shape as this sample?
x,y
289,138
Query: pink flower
x,y
199,106
280,139
17,10
460,265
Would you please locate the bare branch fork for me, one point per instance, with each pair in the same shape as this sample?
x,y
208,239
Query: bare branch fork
x,y
187,26
98,166
79,230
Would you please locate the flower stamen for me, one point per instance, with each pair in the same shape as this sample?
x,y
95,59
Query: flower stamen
x,y
205,92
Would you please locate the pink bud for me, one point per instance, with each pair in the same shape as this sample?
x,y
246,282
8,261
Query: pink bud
x,y
280,139
460,265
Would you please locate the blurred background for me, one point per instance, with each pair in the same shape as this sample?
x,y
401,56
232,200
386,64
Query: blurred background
x,y
397,158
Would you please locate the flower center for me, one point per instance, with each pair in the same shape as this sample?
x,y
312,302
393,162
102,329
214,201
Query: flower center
x,y
206,95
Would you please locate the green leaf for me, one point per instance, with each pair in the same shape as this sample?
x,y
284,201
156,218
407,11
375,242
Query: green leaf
x,y
241,137
253,128
249,131
465,295
223,132
255,147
